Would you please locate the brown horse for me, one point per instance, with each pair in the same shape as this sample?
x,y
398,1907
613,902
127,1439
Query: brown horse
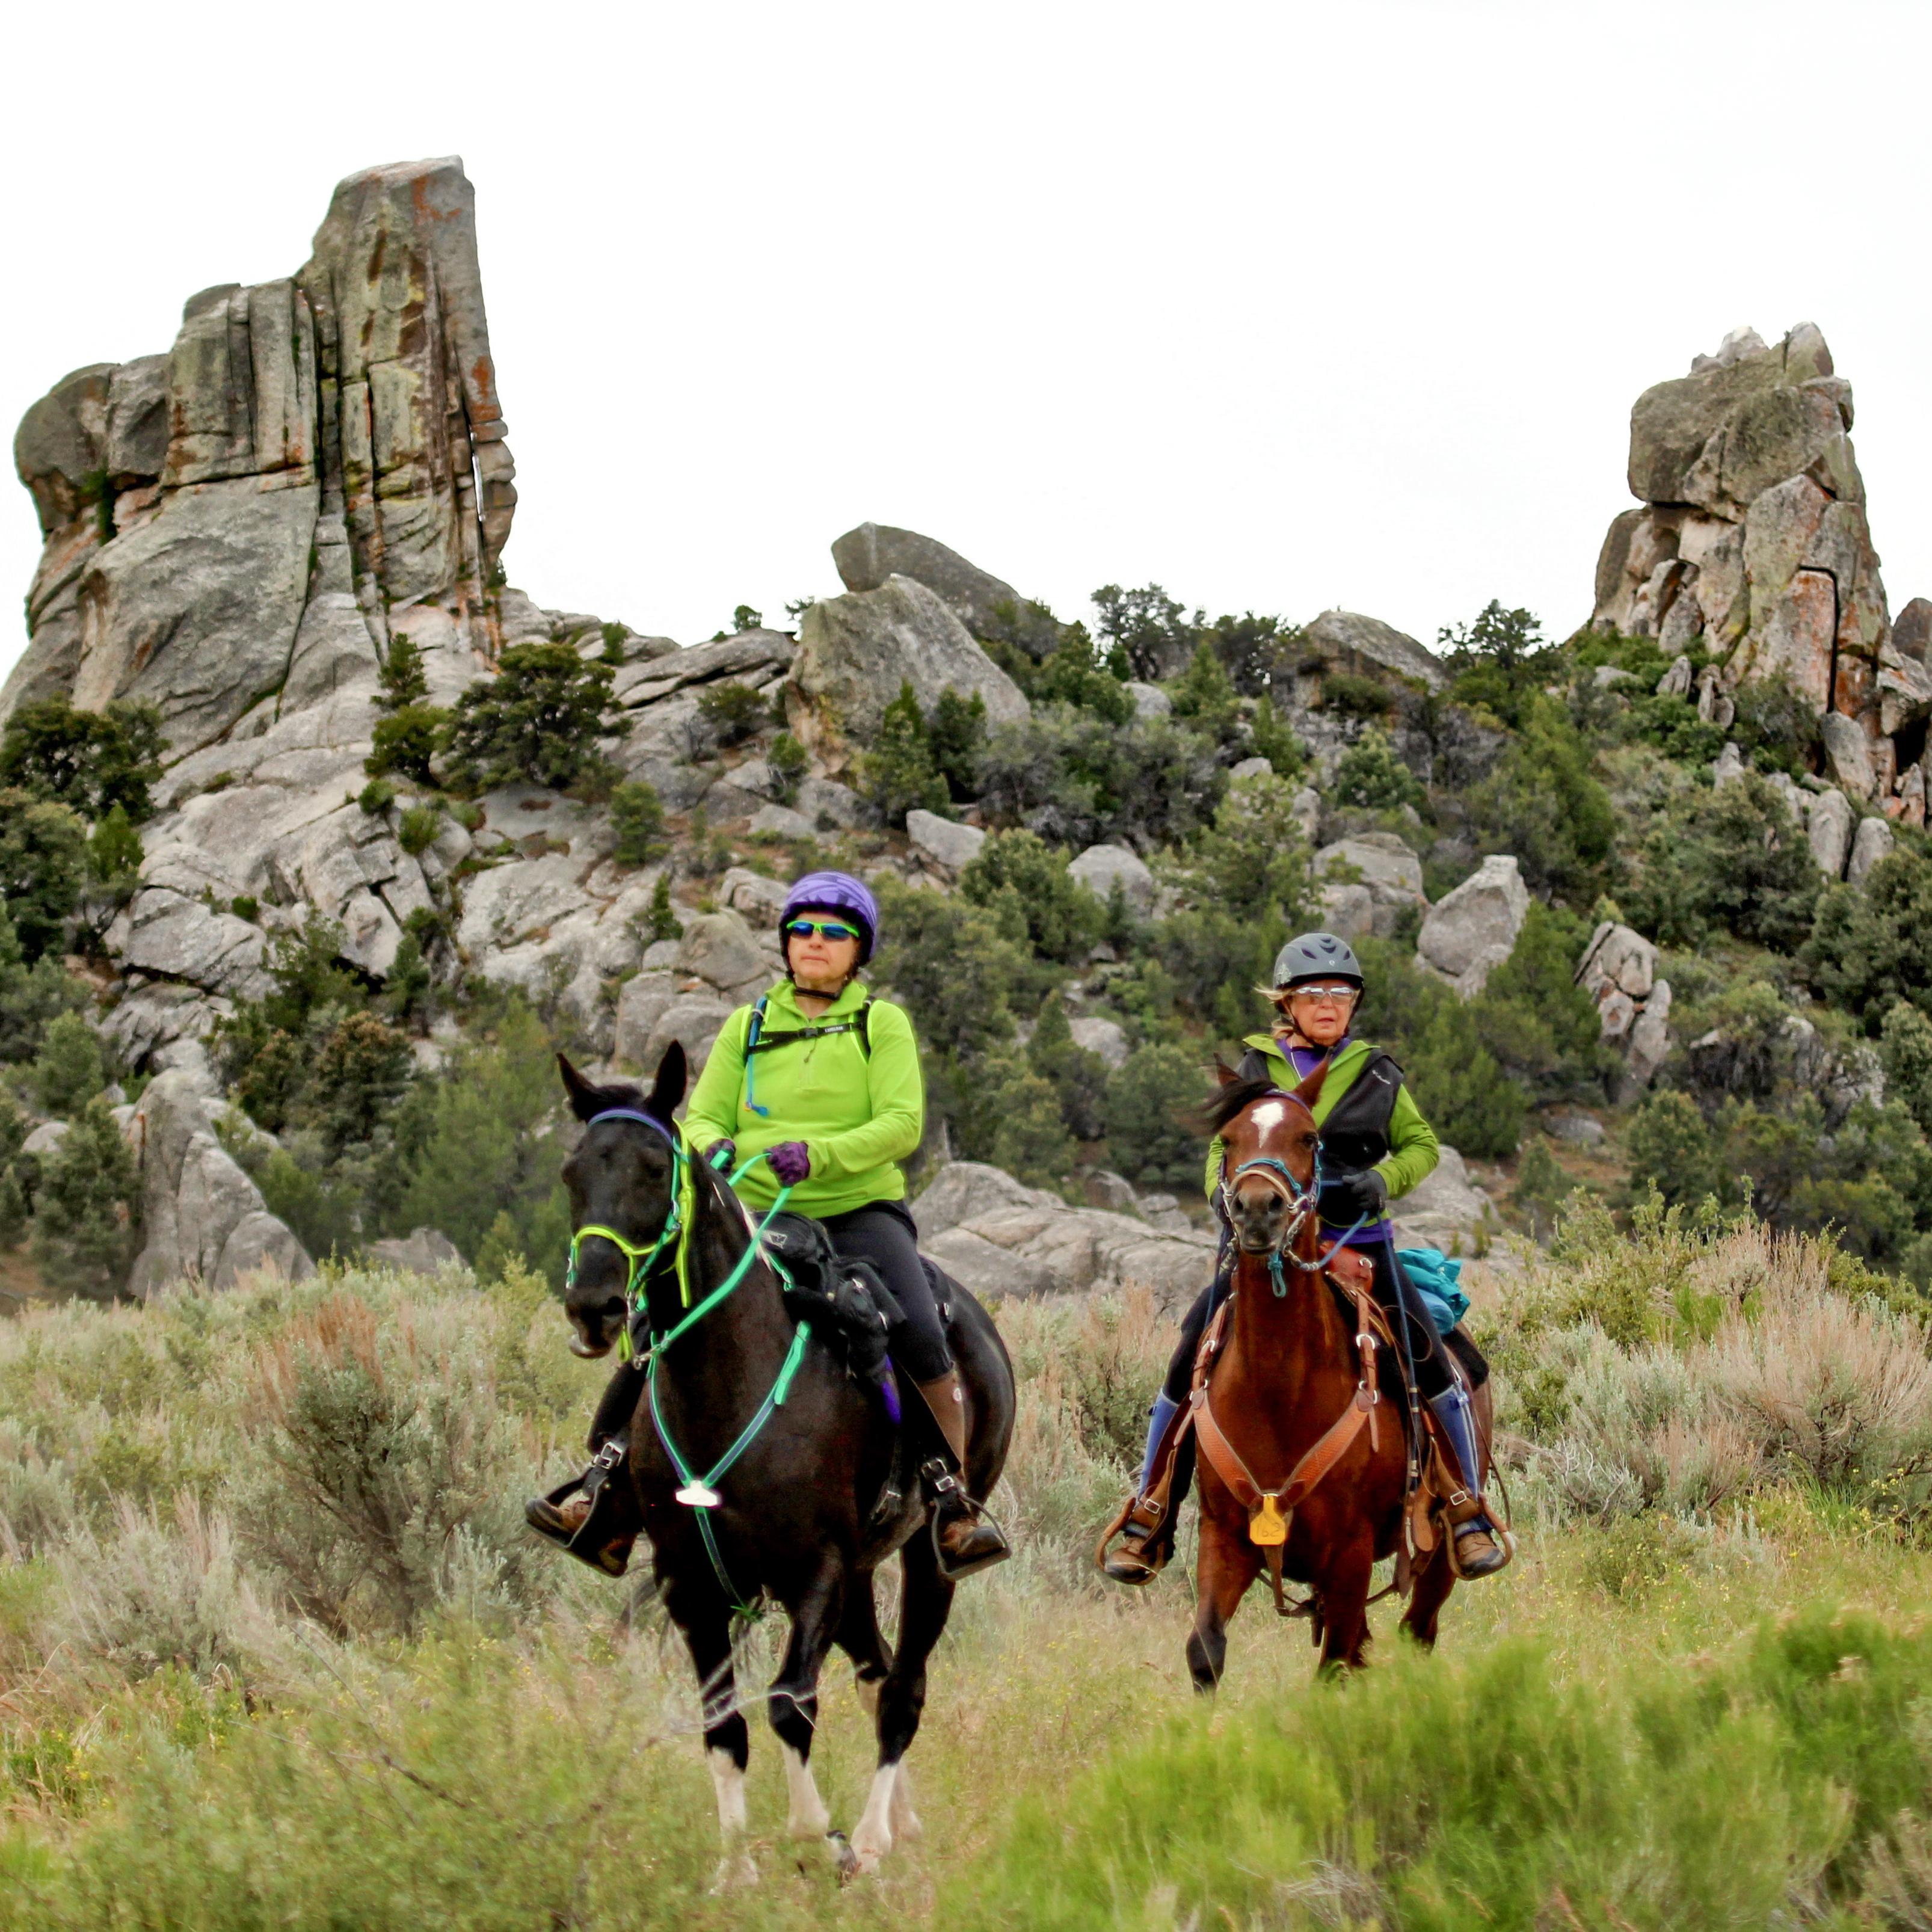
x,y
1302,1448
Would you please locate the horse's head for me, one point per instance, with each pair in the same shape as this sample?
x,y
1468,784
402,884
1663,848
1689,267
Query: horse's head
x,y
621,1177
1268,1172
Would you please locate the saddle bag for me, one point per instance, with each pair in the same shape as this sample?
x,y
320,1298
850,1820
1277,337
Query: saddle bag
x,y
845,1301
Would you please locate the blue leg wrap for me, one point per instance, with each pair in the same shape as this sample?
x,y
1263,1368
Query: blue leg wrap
x,y
1163,1412
1451,1408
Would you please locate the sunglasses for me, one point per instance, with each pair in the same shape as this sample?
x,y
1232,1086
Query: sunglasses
x,y
826,928
1327,996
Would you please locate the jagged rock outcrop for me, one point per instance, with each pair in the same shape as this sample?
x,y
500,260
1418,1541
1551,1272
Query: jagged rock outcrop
x,y
855,651
1752,540
1389,886
866,556
1471,931
998,1237
1346,641
335,434
201,1217
1619,970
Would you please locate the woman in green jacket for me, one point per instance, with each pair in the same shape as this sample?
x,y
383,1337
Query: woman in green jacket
x,y
823,1080
1376,1147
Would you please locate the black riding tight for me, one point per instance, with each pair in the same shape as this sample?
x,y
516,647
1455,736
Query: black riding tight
x,y
1393,1288
882,1233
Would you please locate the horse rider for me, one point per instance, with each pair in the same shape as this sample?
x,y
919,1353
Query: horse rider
x,y
1375,1146
824,1080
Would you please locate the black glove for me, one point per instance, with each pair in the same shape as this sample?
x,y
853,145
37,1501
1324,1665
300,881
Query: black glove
x,y
1353,1197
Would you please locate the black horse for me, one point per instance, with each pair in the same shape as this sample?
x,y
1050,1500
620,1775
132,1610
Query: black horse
x,y
822,1494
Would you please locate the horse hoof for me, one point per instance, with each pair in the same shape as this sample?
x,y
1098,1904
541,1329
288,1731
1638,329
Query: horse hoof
x,y
843,1857
866,1855
735,1872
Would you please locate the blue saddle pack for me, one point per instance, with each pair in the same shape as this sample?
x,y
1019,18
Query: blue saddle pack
x,y
1436,1278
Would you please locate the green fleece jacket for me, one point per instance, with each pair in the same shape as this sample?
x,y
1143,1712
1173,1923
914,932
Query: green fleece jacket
x,y
858,1114
1414,1150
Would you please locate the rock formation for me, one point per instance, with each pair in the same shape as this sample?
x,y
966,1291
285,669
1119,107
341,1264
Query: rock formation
x,y
311,450
866,556
1751,543
1471,931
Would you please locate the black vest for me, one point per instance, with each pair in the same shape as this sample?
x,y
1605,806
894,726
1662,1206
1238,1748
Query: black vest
x,y
1355,1134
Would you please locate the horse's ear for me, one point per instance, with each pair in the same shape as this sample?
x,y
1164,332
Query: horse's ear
x,y
668,1090
1224,1074
1310,1091
585,1099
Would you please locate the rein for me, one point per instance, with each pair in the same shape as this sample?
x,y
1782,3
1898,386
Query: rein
x,y
1278,1176
696,1492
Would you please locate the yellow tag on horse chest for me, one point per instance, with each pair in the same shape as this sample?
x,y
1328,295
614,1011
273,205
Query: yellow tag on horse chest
x,y
1267,1526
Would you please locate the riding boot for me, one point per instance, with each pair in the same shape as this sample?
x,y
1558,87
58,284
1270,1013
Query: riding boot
x,y
592,1516
966,1538
1478,1550
1147,1517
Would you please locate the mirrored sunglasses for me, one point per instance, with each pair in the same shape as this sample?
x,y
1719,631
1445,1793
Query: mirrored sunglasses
x,y
826,928
1325,995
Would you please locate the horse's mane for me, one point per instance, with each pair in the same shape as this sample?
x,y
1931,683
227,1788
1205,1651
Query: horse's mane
x,y
1221,1107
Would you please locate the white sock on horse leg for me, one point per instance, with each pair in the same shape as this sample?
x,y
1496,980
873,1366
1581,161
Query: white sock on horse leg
x,y
905,1818
873,1838
727,1781
808,1817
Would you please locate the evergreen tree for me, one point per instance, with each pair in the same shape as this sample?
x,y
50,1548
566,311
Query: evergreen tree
x,y
68,1071
1541,1187
407,741
1542,803
1027,1136
1369,775
1671,1149
114,853
43,861
1149,1135
1469,1100
89,761
536,722
957,735
404,682
1074,674
661,921
899,774
1025,883
789,765
31,997
637,817
1078,1077
85,1225
13,1211
1532,1015
1205,696
1905,1040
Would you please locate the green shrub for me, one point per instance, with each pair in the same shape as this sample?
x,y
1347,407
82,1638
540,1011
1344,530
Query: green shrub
x,y
1205,696
945,959
613,635
1010,1114
956,732
1905,1036
114,853
69,1069
43,861
898,773
405,741
1078,1077
536,722
1542,803
744,618
1499,662
1532,1016
661,921
1466,1095
1151,631
404,682
376,796
1354,696
789,764
1369,775
89,761
1024,883
1150,1135
86,1221
1776,723
637,818
1672,1151
416,831
1733,859
31,997
1871,945
1076,674
732,711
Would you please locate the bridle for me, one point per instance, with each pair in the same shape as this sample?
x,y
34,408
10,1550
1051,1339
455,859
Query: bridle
x,y
1301,1200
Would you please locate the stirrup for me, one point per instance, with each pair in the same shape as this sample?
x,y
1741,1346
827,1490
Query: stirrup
x,y
590,1542
1476,1521
951,1502
1145,1551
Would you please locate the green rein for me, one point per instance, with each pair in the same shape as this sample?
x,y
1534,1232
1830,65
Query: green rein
x,y
695,1492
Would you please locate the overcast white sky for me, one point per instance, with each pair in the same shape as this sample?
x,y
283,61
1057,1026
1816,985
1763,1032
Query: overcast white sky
x,y
1282,306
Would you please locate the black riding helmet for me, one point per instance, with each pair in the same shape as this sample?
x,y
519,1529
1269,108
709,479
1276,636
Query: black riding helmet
x,y
1316,956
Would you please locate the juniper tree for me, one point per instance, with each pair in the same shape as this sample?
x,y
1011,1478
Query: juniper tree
x,y
536,722
899,774
85,1211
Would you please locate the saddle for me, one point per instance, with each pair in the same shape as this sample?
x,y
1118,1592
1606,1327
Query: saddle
x,y
846,1301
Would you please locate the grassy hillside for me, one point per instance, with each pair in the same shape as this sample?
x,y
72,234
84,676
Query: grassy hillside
x,y
274,1649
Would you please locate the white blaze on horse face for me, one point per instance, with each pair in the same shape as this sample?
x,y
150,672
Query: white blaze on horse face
x,y
808,1817
1269,1114
873,1838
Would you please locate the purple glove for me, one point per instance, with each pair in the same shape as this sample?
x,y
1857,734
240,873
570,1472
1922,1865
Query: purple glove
x,y
789,1161
722,1153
